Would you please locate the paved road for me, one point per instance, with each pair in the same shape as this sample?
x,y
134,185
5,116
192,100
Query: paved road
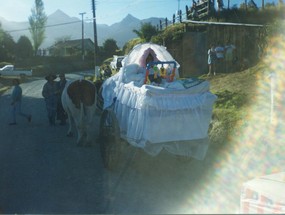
x,y
42,171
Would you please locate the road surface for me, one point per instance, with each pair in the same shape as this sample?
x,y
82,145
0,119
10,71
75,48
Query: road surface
x,y
43,171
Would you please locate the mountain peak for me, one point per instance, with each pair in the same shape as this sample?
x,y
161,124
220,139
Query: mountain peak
x,y
59,14
71,26
59,17
129,19
130,16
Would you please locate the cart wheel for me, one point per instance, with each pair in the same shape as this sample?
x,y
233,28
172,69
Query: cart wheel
x,y
110,146
100,100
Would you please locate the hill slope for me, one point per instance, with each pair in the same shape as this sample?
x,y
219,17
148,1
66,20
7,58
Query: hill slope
x,y
237,94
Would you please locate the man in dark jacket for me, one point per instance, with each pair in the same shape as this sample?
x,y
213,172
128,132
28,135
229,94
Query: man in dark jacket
x,y
61,114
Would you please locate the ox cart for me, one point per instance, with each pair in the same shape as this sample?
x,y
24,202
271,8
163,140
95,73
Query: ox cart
x,y
148,106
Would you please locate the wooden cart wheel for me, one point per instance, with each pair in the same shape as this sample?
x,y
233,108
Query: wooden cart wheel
x,y
110,146
100,100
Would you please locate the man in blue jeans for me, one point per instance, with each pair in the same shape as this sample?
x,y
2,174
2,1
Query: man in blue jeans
x,y
16,103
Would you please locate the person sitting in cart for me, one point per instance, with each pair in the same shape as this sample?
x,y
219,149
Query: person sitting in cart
x,y
154,73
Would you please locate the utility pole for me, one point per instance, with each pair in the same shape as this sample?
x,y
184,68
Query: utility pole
x,y
82,45
95,33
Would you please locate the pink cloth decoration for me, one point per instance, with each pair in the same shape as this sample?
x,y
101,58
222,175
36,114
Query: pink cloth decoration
x,y
142,61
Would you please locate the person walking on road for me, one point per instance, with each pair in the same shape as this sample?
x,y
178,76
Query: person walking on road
x,y
61,114
50,93
16,103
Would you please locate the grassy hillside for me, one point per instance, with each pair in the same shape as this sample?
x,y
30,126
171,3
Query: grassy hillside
x,y
236,92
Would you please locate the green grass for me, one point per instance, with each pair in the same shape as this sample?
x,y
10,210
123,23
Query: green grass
x,y
235,92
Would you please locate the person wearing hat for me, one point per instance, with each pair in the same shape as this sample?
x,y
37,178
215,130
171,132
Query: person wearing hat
x,y
61,114
50,94
17,102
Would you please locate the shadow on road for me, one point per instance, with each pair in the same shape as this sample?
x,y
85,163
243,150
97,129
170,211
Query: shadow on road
x,y
42,170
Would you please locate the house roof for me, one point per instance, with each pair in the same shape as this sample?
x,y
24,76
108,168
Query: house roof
x,y
88,44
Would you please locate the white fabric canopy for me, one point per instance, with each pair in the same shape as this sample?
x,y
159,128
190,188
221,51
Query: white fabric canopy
x,y
139,54
174,115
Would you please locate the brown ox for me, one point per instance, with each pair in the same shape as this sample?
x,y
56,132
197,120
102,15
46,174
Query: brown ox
x,y
79,102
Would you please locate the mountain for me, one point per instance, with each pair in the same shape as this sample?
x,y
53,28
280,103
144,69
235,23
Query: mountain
x,y
61,25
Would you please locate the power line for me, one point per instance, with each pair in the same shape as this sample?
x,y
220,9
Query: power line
x,y
47,26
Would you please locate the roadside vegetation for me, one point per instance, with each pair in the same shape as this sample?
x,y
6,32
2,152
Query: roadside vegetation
x,y
236,93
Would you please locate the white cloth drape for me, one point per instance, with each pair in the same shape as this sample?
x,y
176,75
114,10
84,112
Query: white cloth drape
x,y
161,117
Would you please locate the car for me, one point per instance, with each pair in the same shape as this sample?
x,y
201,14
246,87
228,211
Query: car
x,y
7,68
116,63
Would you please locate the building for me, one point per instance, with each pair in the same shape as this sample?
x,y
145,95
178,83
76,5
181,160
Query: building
x,y
72,48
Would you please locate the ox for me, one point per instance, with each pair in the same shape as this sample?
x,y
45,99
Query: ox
x,y
79,101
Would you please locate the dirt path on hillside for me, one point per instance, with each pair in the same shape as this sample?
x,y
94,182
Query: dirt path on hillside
x,y
42,171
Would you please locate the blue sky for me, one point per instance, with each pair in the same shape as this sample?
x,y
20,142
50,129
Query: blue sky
x,y
107,11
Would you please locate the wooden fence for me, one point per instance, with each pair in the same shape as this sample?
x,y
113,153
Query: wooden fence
x,y
198,11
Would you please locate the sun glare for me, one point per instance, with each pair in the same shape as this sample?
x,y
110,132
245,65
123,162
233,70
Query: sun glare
x,y
256,147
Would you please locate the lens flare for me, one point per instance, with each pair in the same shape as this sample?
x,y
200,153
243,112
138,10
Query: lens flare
x,y
255,148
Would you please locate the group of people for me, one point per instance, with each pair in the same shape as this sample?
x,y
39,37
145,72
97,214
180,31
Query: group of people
x,y
221,58
51,92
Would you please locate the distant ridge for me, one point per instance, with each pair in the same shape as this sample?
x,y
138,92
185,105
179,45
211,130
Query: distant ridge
x,y
61,25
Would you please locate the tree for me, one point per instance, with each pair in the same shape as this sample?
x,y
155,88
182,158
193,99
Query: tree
x,y
146,32
24,47
37,22
7,46
109,48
